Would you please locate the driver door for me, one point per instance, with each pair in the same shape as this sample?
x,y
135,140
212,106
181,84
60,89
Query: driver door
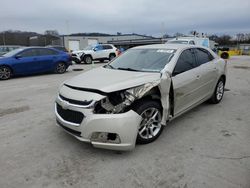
x,y
99,52
26,62
185,82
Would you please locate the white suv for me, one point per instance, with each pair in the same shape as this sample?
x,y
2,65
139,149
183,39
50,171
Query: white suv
x,y
99,52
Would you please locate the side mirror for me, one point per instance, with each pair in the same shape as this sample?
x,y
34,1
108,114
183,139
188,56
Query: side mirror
x,y
18,56
94,49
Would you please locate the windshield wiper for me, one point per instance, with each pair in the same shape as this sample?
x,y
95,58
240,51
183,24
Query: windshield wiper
x,y
110,66
128,69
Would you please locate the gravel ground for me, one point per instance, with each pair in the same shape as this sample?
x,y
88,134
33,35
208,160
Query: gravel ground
x,y
206,147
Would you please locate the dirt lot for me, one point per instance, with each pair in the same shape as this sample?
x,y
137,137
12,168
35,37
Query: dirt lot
x,y
206,147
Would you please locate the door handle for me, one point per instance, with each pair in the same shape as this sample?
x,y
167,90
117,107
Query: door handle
x,y
198,77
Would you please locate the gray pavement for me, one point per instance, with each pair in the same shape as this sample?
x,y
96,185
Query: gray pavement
x,y
208,147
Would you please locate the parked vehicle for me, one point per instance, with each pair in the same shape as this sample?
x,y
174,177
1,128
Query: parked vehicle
x,y
132,98
31,60
193,40
98,52
6,49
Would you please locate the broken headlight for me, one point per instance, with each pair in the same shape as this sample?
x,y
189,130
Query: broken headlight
x,y
117,102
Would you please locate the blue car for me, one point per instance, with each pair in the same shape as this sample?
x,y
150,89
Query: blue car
x,y
32,60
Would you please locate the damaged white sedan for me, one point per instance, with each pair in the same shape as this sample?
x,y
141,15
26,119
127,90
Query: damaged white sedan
x,y
131,99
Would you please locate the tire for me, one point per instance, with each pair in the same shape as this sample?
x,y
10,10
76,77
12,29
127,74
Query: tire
x,y
218,92
60,68
224,55
5,73
111,56
77,62
87,59
150,127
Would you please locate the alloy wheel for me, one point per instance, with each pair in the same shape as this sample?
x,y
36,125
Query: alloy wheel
x,y
88,60
5,73
151,123
220,90
61,68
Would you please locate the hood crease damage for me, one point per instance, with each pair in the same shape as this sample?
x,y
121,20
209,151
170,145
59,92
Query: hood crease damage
x,y
136,93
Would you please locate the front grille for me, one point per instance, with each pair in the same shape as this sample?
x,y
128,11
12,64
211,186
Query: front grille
x,y
76,133
72,101
70,115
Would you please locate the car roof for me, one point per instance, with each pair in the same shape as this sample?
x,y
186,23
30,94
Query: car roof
x,y
164,46
36,47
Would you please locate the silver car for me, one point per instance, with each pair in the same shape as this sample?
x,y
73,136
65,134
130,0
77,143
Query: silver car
x,y
132,98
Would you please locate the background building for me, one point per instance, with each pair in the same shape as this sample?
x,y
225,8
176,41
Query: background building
x,y
80,42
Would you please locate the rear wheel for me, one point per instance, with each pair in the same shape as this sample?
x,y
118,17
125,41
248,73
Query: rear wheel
x,y
218,92
150,127
60,68
5,73
87,59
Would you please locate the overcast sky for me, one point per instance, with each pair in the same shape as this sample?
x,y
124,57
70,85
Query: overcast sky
x,y
151,17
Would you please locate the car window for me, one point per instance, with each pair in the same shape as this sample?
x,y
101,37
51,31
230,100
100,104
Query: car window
x,y
203,56
28,53
185,62
98,48
107,47
45,52
61,48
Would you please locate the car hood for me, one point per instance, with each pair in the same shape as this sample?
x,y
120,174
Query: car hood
x,y
82,51
109,80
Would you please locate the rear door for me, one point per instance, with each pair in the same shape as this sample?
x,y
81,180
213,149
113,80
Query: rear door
x,y
107,50
185,82
207,72
47,59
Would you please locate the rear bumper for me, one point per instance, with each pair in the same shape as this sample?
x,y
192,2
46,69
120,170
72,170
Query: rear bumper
x,y
124,125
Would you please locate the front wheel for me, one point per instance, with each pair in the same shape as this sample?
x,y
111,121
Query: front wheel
x,y
5,73
60,68
150,127
218,92
87,59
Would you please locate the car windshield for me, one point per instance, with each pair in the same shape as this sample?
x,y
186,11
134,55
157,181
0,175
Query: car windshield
x,y
144,60
13,52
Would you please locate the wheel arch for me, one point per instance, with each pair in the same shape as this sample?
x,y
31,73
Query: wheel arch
x,y
223,77
12,70
155,94
112,53
86,55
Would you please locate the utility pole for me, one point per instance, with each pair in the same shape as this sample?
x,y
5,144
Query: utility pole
x,y
4,38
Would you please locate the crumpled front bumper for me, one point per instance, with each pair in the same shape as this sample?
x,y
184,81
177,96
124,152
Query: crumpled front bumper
x,y
125,125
